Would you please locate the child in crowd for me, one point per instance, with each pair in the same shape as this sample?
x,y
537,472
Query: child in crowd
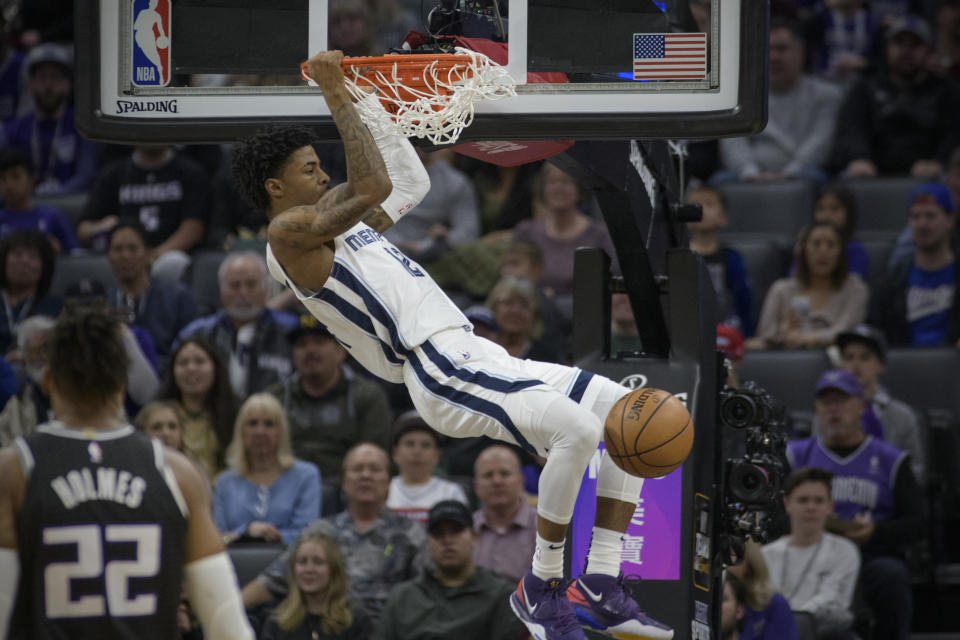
x,y
416,452
20,210
727,271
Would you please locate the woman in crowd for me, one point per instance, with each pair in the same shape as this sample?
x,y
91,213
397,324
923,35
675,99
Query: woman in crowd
x,y
838,206
767,614
27,261
515,303
161,419
560,228
809,309
316,607
265,493
199,384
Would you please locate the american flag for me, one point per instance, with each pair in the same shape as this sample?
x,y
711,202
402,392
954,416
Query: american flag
x,y
669,56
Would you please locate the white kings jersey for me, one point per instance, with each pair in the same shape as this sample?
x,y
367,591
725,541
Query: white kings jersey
x,y
377,302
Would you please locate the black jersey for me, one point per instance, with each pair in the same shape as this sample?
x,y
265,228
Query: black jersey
x,y
101,534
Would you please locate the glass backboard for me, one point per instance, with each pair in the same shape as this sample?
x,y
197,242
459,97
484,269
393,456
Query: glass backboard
x,y
213,70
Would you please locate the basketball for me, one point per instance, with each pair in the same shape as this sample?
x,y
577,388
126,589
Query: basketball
x,y
162,42
648,433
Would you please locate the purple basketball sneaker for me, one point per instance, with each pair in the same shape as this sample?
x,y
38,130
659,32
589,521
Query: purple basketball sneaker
x,y
601,603
542,606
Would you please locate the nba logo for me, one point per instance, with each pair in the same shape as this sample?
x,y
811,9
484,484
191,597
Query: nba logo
x,y
151,43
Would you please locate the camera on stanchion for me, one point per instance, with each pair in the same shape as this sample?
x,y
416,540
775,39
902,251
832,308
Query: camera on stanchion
x,y
753,483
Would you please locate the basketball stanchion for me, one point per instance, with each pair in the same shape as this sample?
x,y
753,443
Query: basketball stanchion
x,y
424,95
648,433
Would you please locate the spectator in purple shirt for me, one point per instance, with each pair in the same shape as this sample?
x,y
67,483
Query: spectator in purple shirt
x,y
63,161
20,210
506,524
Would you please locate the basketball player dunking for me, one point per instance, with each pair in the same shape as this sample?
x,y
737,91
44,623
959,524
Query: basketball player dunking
x,y
325,244
100,523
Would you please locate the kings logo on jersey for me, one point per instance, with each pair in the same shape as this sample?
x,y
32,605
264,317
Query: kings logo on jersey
x,y
151,43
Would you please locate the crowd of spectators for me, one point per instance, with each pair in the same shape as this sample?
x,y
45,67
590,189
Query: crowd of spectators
x,y
387,524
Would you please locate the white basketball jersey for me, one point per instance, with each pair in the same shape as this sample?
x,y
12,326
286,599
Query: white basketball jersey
x,y
377,302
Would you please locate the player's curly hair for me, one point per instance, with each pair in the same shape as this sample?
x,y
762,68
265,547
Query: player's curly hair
x,y
262,155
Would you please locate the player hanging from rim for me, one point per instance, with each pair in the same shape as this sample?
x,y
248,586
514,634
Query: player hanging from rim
x,y
100,523
325,244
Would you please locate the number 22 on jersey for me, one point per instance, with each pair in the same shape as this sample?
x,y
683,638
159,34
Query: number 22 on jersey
x,y
89,541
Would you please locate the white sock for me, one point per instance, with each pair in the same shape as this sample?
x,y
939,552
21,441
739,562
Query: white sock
x,y
548,559
604,554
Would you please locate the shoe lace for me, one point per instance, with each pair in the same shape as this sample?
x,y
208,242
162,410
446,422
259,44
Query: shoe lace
x,y
559,606
623,597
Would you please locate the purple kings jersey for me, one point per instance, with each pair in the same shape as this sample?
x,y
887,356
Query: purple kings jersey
x,y
863,481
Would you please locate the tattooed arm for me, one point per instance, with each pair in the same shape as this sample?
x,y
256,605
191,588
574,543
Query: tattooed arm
x,y
300,236
368,183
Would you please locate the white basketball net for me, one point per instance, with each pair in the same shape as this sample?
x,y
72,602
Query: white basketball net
x,y
431,113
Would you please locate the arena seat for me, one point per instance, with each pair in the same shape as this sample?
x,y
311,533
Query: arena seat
x,y
878,251
773,207
331,500
789,376
250,558
882,202
70,268
202,280
925,378
70,205
806,625
764,261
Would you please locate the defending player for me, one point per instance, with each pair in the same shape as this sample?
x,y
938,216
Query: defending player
x,y
100,523
326,246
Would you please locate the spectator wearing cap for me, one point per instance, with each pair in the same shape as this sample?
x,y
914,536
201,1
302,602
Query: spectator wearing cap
x,y
864,354
20,209
142,379
381,548
455,599
164,191
915,304
506,523
875,495
63,161
803,113
248,336
900,121
416,453
329,406
484,324
162,307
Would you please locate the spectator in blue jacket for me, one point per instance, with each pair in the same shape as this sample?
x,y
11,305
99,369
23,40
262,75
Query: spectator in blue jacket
x,y
726,267
265,493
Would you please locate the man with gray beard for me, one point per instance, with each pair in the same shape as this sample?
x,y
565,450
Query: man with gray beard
x,y
251,338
